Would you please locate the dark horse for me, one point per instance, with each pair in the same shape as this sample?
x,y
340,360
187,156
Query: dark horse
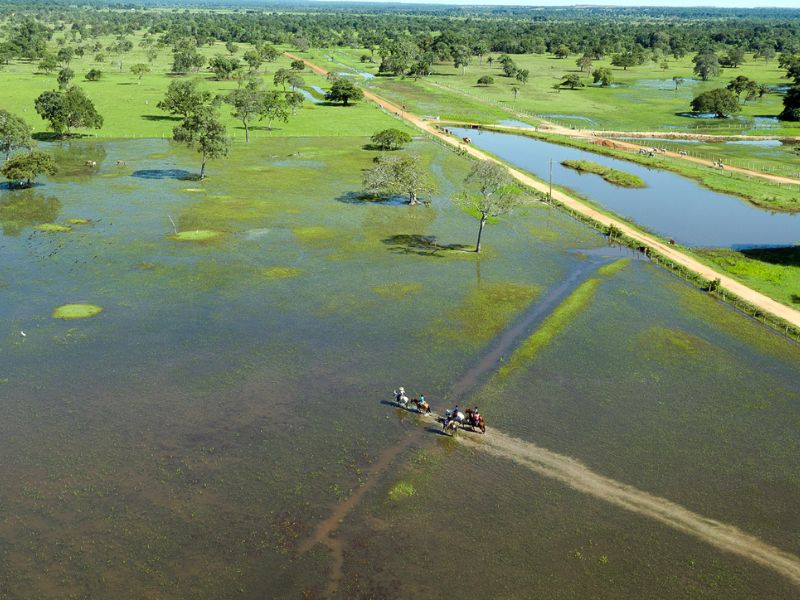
x,y
473,422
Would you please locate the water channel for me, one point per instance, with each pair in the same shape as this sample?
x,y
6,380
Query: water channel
x,y
670,205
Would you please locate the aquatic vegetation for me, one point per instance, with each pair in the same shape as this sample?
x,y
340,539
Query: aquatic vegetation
x,y
485,312
614,267
76,311
281,272
614,176
25,208
198,235
558,320
79,221
53,228
314,232
397,290
401,490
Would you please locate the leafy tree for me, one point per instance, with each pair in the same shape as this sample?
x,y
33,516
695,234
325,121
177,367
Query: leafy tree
x,y
294,100
64,56
295,81
706,65
733,58
65,75
140,69
223,66
625,60
94,75
247,102
152,54
100,57
185,56
497,194
268,53
522,76
231,47
791,105
274,108
793,70
297,65
48,64
603,76
302,43
344,91
253,59
183,97
29,38
486,80
741,84
678,81
461,56
585,62
765,52
67,110
509,68
390,139
561,52
27,167
14,133
281,77
720,101
398,174
203,130
572,81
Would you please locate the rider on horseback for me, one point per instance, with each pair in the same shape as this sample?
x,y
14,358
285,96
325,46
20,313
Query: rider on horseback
x,y
475,416
398,394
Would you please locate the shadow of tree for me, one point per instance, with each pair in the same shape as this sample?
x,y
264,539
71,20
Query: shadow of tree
x,y
363,198
164,174
422,245
161,118
787,257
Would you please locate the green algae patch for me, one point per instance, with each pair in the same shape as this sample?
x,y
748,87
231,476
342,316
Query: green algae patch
x,y
485,312
397,290
197,235
556,322
281,273
76,311
661,342
79,221
313,233
613,176
53,228
544,233
401,490
614,267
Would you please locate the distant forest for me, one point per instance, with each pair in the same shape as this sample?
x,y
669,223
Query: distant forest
x,y
435,29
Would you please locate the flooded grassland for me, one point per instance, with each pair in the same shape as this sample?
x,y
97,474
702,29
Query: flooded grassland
x,y
188,439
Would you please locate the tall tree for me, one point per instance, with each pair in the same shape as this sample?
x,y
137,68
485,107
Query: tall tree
x,y
223,66
603,76
344,91
390,139
203,131
248,103
65,75
183,97
140,69
706,65
14,133
497,194
253,59
398,174
791,105
67,110
720,101
274,108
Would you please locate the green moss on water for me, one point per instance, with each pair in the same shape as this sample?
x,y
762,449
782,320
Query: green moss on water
x,y
281,273
401,490
53,228
663,343
544,233
25,208
556,322
614,267
485,312
198,235
397,290
79,221
76,311
313,233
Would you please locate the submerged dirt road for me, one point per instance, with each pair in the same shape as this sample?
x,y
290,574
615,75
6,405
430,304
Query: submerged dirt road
x,y
757,299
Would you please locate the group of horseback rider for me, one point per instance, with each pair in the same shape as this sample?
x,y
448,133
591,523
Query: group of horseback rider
x,y
469,417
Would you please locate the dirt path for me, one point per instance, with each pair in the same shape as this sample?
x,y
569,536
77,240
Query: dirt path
x,y
747,294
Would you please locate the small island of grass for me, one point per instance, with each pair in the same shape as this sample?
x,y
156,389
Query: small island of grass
x,y
613,176
76,311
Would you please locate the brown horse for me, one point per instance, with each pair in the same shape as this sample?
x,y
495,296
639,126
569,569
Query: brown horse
x,y
450,425
422,405
472,422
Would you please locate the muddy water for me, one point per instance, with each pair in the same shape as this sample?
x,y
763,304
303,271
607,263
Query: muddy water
x,y
226,406
670,205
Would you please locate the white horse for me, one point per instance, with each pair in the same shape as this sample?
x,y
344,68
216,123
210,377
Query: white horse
x,y
400,398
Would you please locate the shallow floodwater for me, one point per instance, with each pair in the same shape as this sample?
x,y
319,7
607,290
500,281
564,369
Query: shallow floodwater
x,y
670,205
233,394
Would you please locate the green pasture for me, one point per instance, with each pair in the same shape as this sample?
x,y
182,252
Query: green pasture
x,y
642,98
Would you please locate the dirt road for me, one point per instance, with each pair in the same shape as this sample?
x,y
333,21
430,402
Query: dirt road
x,y
747,294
